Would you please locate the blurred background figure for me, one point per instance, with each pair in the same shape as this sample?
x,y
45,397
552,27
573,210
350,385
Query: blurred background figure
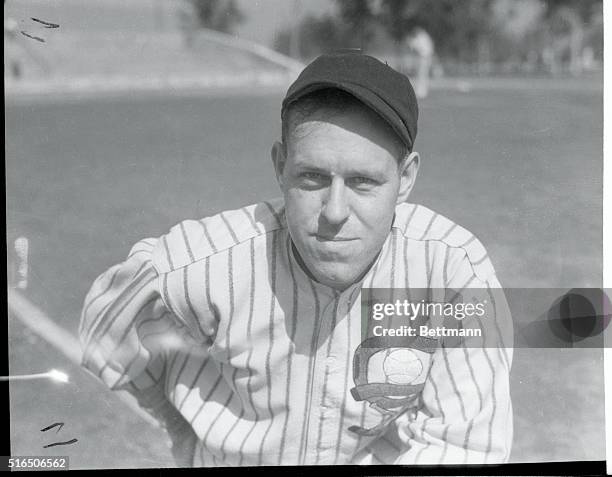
x,y
422,44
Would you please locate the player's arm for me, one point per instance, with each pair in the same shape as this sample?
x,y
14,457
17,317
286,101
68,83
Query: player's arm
x,y
125,331
467,412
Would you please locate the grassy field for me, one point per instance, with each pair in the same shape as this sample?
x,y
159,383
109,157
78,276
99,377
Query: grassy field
x,y
518,163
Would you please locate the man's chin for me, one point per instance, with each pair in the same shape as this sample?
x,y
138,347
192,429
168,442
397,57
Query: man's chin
x,y
335,276
335,267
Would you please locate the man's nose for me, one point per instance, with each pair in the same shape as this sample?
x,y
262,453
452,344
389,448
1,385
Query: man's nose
x,y
336,210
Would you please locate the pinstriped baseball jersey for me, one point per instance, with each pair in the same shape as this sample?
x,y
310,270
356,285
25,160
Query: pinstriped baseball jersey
x,y
219,319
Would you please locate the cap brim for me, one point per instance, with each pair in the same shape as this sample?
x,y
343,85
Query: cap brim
x,y
366,96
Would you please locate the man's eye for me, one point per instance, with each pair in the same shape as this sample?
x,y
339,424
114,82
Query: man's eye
x,y
363,182
312,176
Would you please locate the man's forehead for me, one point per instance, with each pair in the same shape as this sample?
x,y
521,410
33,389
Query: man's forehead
x,y
356,125
339,165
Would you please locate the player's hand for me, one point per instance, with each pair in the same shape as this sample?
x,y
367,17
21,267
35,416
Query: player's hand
x,y
208,325
200,331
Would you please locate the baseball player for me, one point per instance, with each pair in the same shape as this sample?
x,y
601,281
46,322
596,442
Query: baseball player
x,y
242,332
421,42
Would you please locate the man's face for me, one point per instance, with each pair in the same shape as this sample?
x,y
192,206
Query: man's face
x,y
341,181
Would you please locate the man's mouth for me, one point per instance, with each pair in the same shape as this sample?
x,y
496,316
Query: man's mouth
x,y
332,238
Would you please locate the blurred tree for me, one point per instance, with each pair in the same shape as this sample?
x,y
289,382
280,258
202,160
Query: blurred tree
x,y
460,29
485,34
316,35
566,21
220,15
582,8
399,17
358,19
401,20
595,34
517,33
325,34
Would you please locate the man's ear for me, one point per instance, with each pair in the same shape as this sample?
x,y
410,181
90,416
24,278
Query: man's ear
x,y
409,168
279,158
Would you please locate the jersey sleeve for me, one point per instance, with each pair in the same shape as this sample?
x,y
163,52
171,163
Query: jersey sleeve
x,y
466,417
126,330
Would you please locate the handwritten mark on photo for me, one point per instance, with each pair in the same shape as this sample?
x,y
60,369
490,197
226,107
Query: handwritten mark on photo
x,y
59,426
46,24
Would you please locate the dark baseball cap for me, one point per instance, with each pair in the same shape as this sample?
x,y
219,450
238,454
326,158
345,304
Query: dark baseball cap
x,y
377,85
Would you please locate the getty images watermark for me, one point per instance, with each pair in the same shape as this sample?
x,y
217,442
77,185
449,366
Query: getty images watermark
x,y
434,311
